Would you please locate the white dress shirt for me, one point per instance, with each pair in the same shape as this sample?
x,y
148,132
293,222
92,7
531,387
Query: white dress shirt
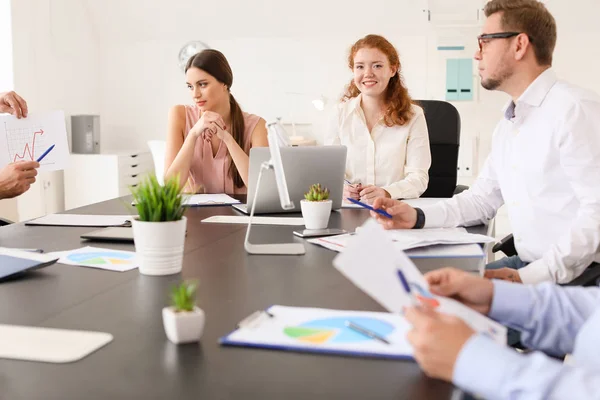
x,y
545,166
395,158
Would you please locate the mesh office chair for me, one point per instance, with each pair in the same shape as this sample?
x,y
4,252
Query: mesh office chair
x,y
443,124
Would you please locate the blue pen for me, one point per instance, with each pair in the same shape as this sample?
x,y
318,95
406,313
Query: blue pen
x,y
40,158
406,286
368,207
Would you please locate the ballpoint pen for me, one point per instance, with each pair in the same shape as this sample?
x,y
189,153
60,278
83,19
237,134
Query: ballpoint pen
x,y
40,158
366,332
368,207
406,286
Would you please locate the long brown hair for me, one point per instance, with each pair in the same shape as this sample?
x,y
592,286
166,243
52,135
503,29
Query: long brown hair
x,y
398,101
214,63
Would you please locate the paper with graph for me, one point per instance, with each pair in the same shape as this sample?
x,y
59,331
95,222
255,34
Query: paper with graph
x,y
371,262
319,330
27,139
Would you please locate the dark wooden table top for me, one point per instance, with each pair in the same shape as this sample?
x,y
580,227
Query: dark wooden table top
x,y
141,363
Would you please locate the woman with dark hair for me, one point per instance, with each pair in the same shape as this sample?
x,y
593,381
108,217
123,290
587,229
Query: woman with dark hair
x,y
208,143
385,133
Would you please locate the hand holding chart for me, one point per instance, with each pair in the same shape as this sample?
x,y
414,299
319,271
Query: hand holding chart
x,y
40,137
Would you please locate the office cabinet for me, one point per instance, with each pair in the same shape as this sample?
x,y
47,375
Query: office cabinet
x,y
459,79
92,178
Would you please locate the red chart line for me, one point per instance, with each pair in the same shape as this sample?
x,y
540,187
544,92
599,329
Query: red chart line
x,y
31,151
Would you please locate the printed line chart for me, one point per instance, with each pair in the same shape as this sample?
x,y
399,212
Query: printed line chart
x,y
27,139
26,144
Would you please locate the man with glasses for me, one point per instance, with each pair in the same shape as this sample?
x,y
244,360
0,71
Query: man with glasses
x,y
545,158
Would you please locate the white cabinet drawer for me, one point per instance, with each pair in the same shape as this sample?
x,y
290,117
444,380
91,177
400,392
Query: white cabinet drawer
x,y
135,159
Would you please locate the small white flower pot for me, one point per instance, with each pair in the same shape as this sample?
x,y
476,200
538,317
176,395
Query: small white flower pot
x,y
184,326
316,213
159,246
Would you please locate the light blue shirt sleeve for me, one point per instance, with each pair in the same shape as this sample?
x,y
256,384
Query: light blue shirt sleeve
x,y
549,316
485,368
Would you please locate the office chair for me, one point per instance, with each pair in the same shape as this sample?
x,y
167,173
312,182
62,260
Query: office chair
x,y
4,222
589,277
443,124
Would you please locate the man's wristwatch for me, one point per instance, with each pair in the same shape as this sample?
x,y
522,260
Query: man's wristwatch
x,y
420,219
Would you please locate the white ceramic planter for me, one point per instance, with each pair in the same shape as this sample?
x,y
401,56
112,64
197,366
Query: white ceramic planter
x,y
183,327
159,246
316,213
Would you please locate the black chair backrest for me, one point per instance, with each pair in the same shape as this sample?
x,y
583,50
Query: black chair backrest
x,y
443,123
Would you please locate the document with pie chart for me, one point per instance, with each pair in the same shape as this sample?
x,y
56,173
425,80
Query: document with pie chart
x,y
319,330
95,257
30,138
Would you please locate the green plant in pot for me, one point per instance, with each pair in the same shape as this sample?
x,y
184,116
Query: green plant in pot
x,y
183,320
159,230
316,207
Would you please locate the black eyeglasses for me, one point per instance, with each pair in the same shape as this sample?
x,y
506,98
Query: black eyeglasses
x,y
482,39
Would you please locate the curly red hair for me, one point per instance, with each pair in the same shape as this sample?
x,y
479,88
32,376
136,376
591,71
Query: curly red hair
x,y
399,103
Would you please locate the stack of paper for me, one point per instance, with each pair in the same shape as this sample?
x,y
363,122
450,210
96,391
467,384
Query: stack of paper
x,y
371,263
405,239
412,238
338,243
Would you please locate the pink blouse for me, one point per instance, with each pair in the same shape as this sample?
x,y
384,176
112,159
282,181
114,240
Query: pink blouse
x,y
212,172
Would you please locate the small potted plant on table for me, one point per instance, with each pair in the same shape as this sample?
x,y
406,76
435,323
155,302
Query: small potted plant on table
x,y
159,230
316,207
183,320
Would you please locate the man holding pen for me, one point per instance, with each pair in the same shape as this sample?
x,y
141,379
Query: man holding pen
x,y
16,178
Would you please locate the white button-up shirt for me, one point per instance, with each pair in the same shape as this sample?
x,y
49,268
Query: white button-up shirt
x,y
395,158
545,166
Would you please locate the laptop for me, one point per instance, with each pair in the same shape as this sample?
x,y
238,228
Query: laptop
x,y
303,167
113,234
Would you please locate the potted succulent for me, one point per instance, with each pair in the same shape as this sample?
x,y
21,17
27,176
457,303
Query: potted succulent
x,y
183,320
159,230
316,207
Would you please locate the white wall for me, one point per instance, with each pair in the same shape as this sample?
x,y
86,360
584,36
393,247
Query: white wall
x,y
56,67
119,58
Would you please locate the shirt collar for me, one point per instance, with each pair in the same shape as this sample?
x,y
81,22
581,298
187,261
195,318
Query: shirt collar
x,y
353,104
535,93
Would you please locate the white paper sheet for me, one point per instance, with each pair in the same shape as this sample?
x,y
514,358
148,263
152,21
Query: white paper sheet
x,y
243,219
209,199
95,257
49,344
99,221
371,262
26,139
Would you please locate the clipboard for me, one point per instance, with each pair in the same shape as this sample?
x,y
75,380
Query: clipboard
x,y
89,220
323,331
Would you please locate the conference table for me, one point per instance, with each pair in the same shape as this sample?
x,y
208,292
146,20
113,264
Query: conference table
x,y
140,363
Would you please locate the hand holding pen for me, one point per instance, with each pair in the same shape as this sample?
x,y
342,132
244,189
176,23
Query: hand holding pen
x,y
403,216
352,190
414,301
